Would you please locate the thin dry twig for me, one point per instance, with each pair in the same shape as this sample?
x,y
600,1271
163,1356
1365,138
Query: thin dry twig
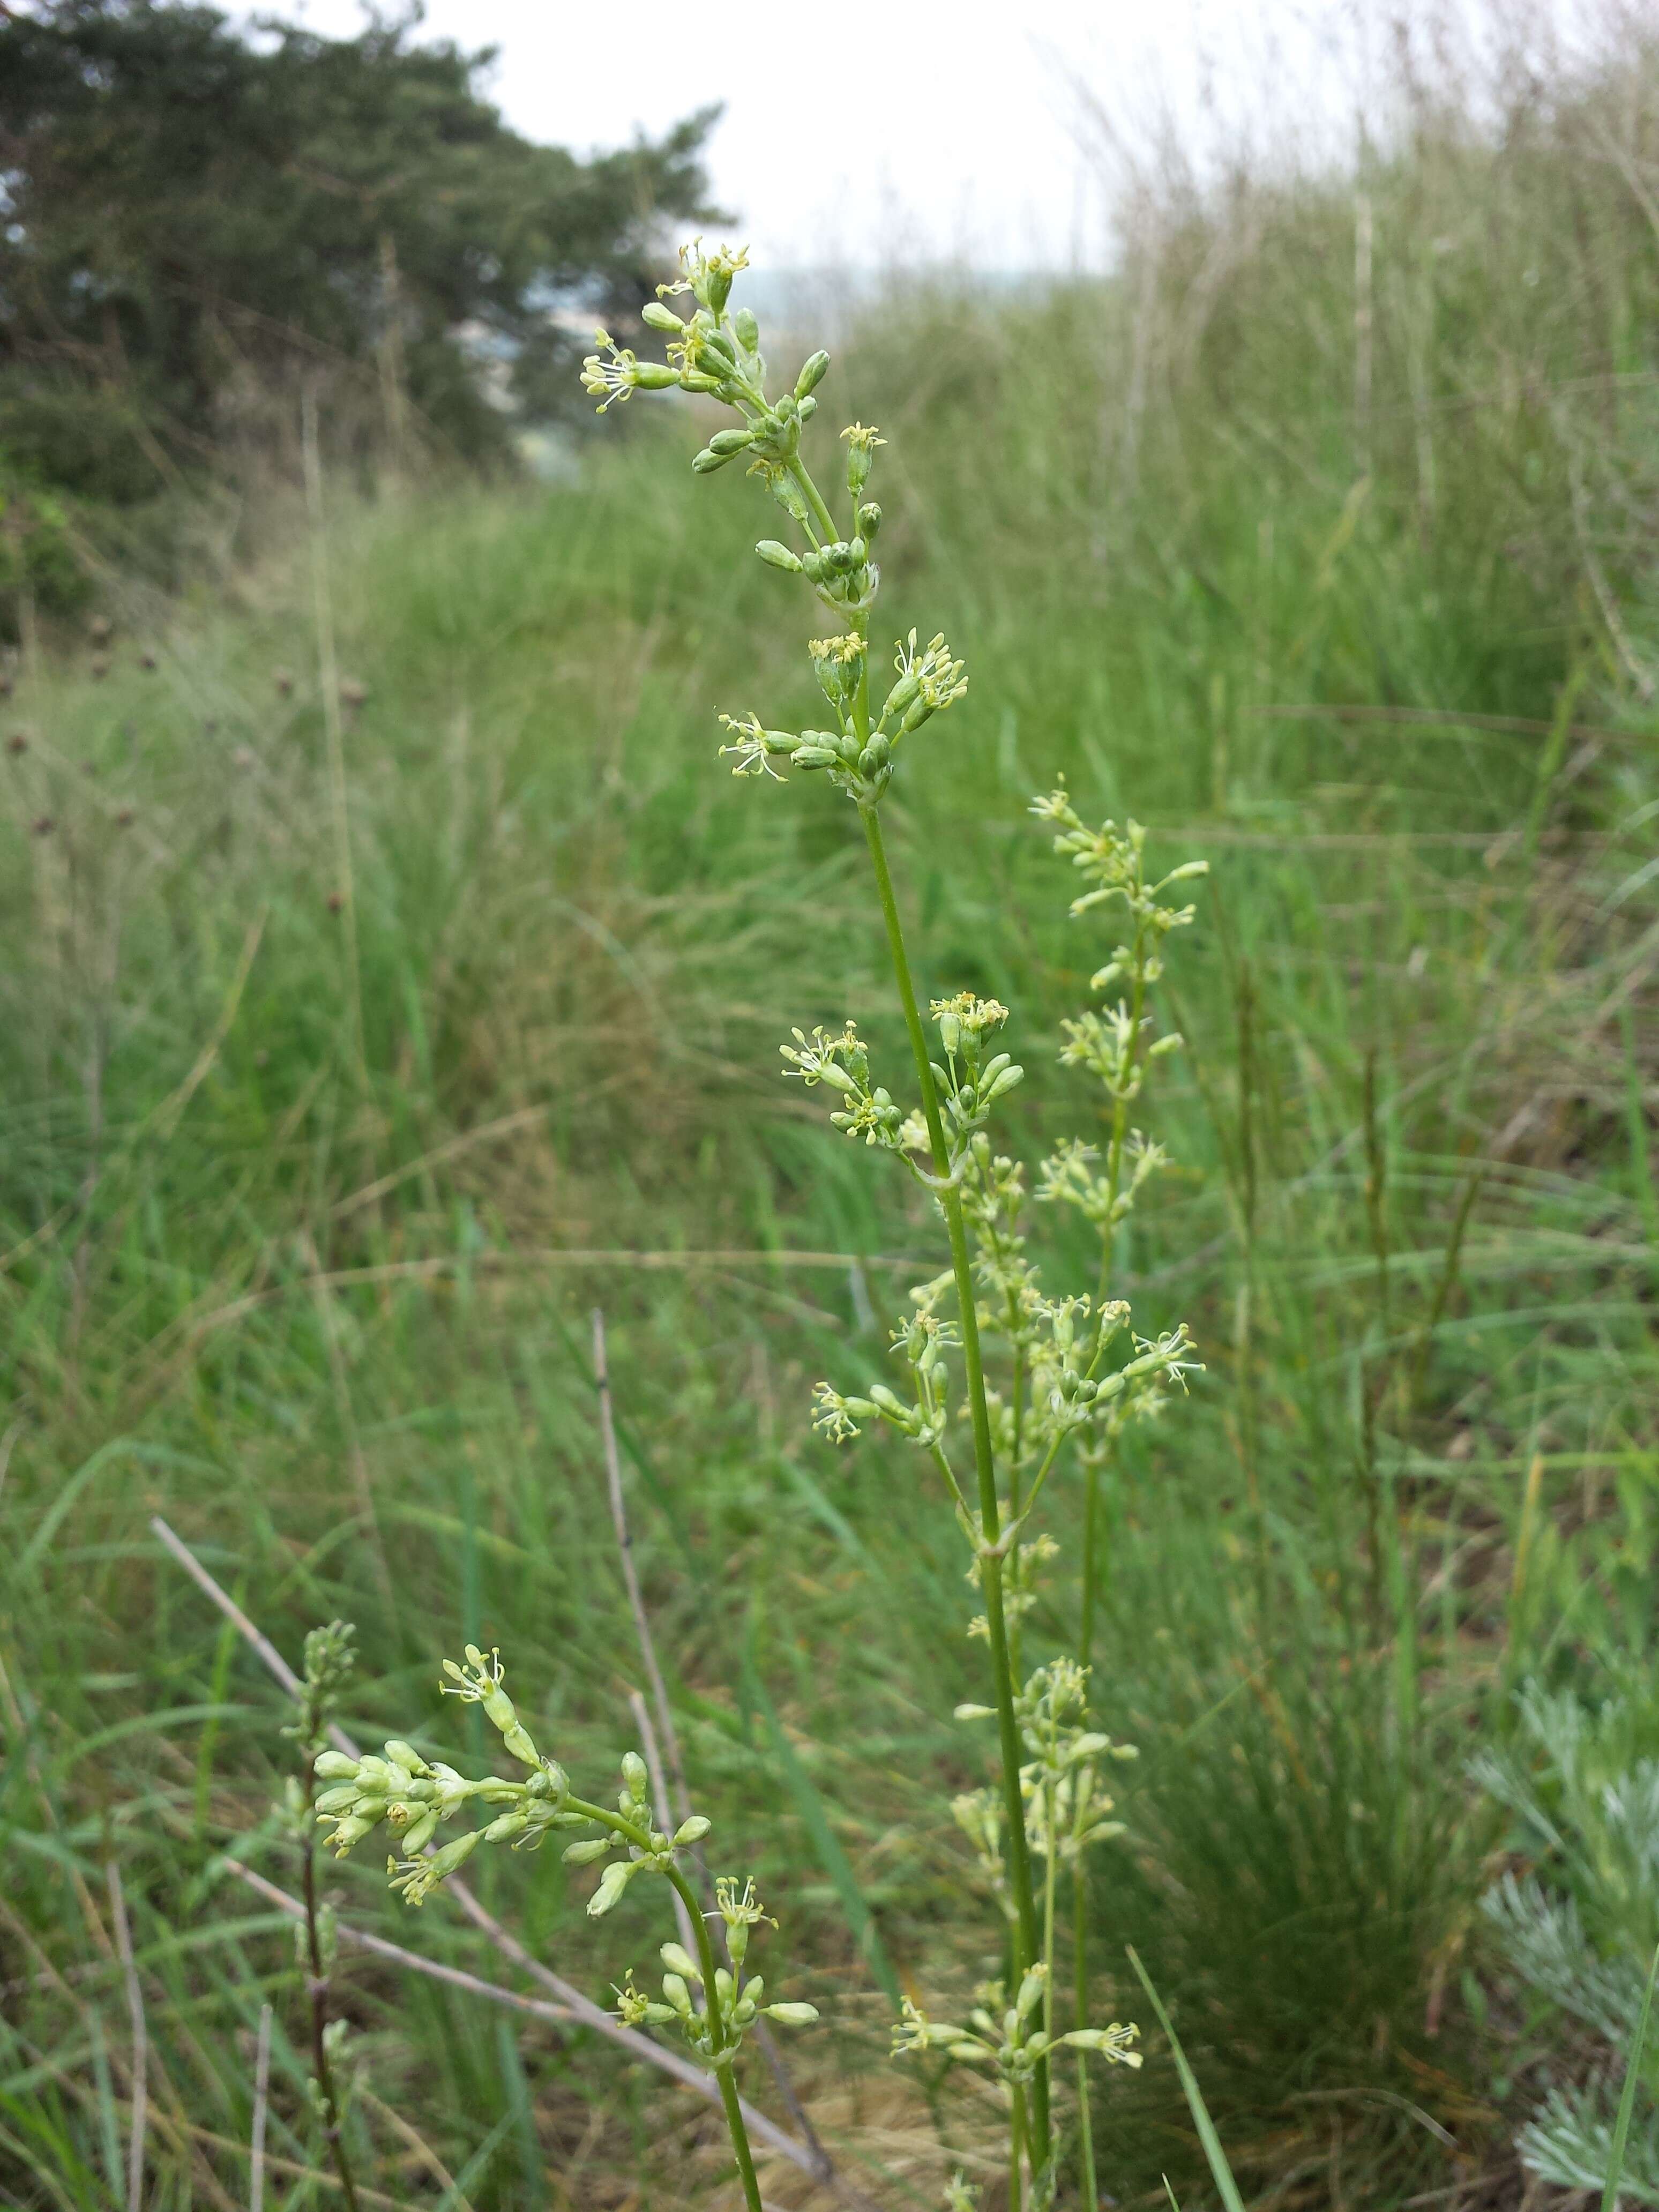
x,y
415,1962
653,1750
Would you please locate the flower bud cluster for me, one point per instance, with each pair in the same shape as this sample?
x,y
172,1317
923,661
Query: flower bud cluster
x,y
1113,860
738,1999
644,1847
969,1084
1006,2039
922,1342
1109,1045
717,356
842,1064
1071,1176
1066,1806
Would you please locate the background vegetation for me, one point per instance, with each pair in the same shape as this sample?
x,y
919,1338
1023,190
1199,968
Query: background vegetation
x,y
362,1030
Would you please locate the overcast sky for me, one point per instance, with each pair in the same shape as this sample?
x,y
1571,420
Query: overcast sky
x,y
900,129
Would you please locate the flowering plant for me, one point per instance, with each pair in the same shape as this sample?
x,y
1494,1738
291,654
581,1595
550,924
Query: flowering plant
x,y
1070,1373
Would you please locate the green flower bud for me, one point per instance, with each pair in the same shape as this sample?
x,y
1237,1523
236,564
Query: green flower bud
x,y
421,1830
705,463
869,519
811,374
500,1711
789,495
736,1942
778,557
340,1800
811,756
809,408
692,1831
730,441
518,1741
674,1989
614,1878
634,1774
747,328
661,318
788,408
506,1826
793,2015
335,1767
584,1853
653,376
455,1854
680,1961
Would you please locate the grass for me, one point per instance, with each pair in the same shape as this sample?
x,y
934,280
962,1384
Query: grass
x,y
297,1249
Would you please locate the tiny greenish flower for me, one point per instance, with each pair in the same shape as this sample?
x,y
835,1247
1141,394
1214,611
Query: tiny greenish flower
x,y
740,1907
612,374
861,443
1112,2044
612,1883
418,1877
757,749
706,276
929,680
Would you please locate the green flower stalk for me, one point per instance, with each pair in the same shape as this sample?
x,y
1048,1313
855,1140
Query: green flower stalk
x,y
713,2006
1076,1372
328,1663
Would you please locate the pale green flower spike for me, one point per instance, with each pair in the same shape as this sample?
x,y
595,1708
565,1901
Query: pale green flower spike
x,y
413,1797
1071,1371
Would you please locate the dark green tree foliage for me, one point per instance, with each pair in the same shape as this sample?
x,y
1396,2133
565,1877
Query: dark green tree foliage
x,y
191,214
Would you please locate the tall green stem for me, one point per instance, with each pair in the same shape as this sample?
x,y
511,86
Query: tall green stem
x,y
720,2047
723,2058
1019,1860
1085,1642
317,2000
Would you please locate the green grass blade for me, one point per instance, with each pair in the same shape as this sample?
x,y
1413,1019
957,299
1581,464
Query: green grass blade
x,y
825,1842
1627,2096
1207,2134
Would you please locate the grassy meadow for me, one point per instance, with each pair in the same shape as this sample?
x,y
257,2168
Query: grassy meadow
x,y
349,1055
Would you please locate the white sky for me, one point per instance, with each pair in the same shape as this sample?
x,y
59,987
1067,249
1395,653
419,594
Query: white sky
x,y
888,131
